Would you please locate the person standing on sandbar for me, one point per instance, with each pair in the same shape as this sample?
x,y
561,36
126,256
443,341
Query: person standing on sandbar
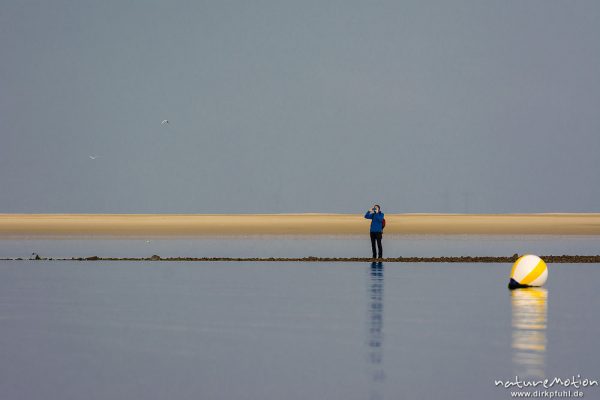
x,y
377,224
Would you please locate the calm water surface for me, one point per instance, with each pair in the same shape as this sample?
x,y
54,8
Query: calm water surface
x,y
303,246
114,330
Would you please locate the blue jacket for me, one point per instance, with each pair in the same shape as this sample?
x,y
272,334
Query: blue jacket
x,y
377,221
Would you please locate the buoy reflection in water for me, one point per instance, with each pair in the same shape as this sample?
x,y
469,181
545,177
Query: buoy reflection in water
x,y
529,319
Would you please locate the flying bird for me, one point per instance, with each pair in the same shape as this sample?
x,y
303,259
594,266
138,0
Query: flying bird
x,y
164,121
93,157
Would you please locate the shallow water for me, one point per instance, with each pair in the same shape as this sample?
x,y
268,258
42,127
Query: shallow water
x,y
304,246
114,330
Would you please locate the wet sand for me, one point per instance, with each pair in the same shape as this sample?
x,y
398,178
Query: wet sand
x,y
56,225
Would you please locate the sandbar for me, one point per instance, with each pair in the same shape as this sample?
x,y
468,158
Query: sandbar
x,y
145,225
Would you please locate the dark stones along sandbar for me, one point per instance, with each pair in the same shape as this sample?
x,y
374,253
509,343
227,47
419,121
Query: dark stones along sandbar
x,y
563,259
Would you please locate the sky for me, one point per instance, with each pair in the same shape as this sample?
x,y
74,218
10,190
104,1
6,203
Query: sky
x,y
299,106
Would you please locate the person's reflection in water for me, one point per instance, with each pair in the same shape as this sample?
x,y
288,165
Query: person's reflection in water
x,y
375,330
529,315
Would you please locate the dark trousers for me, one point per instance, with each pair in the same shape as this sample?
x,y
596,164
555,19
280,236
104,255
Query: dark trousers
x,y
376,236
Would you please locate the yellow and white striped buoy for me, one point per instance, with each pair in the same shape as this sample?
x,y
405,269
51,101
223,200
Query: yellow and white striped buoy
x,y
528,270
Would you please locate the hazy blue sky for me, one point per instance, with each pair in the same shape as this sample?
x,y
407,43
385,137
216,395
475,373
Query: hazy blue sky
x,y
305,106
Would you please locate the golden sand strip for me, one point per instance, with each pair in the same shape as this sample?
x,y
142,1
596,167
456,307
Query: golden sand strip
x,y
143,225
